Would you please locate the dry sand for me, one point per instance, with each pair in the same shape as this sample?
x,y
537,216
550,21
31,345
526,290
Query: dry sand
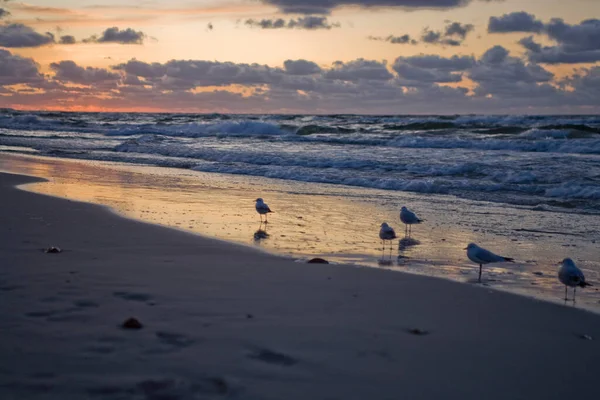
x,y
226,321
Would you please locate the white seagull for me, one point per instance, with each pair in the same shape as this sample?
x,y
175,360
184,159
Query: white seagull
x,y
262,208
387,233
570,275
482,256
409,219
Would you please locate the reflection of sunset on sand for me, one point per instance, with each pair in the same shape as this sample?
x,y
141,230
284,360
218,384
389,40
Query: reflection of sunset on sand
x,y
339,224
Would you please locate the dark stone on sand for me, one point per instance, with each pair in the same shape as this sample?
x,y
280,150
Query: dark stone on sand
x,y
132,323
418,332
53,250
586,337
249,316
318,261
538,273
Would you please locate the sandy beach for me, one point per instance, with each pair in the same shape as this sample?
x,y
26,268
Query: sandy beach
x,y
227,321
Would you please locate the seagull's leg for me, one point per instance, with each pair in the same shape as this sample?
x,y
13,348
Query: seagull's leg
x,y
480,266
574,290
566,295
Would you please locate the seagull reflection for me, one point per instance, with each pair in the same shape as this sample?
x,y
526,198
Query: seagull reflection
x,y
261,233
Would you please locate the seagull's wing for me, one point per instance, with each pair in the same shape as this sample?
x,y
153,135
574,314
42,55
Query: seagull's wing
x,y
489,257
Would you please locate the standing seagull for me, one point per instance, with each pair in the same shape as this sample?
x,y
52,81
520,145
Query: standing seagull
x,y
482,256
572,276
409,218
387,233
263,209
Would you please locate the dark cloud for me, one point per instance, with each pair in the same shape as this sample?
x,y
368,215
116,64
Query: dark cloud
x,y
499,74
308,23
431,61
404,39
116,35
497,82
456,29
578,43
67,39
360,69
19,35
325,6
454,34
515,22
428,69
301,67
188,74
4,13
15,69
69,71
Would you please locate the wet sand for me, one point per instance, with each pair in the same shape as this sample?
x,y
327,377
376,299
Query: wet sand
x,y
338,223
227,321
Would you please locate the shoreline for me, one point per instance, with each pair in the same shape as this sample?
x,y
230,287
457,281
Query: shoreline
x,y
220,320
335,223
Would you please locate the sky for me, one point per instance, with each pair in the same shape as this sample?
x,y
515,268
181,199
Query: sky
x,y
309,56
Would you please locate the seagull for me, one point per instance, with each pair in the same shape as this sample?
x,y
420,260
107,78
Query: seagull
x,y
409,218
571,276
387,233
262,208
482,256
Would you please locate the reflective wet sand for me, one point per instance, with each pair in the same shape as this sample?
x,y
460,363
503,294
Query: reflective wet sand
x,y
338,223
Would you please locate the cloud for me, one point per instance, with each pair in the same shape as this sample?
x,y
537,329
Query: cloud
x,y
404,39
454,34
301,67
19,35
515,22
499,74
428,69
495,82
307,23
67,39
116,35
577,43
69,71
457,29
356,70
325,6
15,69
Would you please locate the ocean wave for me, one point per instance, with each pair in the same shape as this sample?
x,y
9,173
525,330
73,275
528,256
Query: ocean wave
x,y
574,191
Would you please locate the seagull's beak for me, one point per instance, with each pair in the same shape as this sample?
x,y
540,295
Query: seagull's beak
x,y
466,248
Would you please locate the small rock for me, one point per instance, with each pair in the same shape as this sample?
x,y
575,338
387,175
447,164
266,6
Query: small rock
x,y
328,278
586,337
249,316
132,323
418,332
317,261
538,273
53,250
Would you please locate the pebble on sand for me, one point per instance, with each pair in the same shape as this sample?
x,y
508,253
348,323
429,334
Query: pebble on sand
x,y
53,250
417,331
317,261
132,323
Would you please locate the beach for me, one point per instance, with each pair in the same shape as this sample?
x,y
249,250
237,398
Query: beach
x,y
335,222
225,320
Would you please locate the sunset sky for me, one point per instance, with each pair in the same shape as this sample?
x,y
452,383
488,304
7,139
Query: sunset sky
x,y
272,56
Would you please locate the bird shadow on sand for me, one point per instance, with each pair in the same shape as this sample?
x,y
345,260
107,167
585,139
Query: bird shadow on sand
x,y
407,242
261,233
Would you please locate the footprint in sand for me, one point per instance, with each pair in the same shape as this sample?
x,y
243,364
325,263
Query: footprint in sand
x,y
272,357
130,296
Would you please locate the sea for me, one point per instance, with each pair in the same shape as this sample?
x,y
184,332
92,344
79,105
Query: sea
x,y
523,184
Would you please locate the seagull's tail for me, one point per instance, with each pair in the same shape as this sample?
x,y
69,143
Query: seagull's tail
x,y
584,284
512,260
